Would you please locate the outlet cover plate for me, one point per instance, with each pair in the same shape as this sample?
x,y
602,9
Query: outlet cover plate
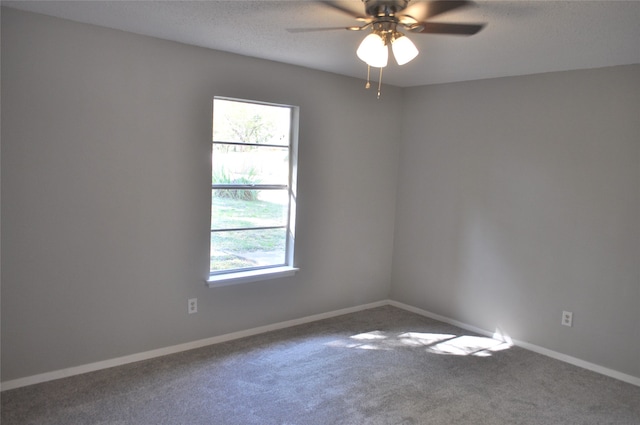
x,y
192,305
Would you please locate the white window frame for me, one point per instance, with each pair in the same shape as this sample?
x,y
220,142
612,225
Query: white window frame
x,y
232,277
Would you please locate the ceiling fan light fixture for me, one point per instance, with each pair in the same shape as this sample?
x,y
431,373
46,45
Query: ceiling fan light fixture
x,y
373,51
403,48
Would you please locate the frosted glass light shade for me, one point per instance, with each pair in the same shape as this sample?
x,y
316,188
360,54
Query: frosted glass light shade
x,y
373,51
403,50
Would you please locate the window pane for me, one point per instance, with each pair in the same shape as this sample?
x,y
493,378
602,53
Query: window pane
x,y
234,208
253,163
243,122
247,248
233,164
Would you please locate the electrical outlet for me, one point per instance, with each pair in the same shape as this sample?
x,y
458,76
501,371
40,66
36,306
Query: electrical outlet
x,y
567,318
192,306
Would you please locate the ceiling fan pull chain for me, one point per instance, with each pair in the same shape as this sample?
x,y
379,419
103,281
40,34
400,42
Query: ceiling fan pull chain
x,y
368,85
379,83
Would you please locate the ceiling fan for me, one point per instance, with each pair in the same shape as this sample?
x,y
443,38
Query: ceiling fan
x,y
386,17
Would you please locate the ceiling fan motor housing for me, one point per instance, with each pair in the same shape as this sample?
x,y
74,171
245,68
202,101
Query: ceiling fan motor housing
x,y
384,7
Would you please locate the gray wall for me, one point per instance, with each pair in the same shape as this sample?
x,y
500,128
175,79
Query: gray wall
x,y
519,198
105,193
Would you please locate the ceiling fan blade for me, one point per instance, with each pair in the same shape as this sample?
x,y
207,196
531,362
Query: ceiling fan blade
x,y
297,30
407,20
345,10
445,28
428,9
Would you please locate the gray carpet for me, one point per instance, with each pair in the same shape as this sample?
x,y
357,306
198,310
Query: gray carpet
x,y
380,366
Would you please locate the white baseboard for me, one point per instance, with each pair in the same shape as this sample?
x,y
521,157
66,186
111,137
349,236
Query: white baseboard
x,y
440,318
528,346
91,367
119,361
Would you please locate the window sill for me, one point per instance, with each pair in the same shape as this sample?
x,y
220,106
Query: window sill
x,y
216,281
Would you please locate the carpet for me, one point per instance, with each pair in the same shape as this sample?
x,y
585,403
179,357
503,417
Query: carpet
x,y
378,366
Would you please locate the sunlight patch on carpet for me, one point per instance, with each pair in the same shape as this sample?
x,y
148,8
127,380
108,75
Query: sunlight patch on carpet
x,y
436,343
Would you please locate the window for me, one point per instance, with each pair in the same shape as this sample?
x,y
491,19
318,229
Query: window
x,y
253,175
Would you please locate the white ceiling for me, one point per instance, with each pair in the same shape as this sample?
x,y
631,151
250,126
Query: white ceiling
x,y
521,37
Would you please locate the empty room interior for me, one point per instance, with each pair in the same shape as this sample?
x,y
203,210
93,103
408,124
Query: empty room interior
x,y
495,190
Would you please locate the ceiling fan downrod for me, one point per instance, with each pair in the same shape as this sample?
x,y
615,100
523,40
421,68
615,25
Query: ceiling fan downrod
x,y
380,8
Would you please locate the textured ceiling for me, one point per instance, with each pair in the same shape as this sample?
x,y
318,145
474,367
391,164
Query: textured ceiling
x,y
521,37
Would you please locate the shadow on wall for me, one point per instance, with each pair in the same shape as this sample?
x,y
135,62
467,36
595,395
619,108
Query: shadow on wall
x,y
437,343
